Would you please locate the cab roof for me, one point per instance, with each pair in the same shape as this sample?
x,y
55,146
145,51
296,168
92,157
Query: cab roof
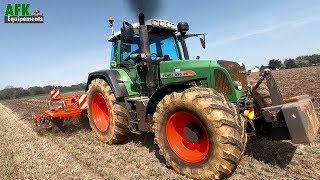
x,y
155,23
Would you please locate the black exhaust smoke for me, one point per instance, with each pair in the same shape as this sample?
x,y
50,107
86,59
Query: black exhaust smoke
x,y
150,8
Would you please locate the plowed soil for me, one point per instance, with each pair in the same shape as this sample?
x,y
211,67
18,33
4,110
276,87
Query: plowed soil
x,y
295,82
73,153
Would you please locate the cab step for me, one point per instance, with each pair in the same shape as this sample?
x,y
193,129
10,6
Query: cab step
x,y
137,113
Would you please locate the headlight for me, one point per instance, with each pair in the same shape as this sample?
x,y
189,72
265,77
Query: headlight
x,y
162,23
155,22
237,85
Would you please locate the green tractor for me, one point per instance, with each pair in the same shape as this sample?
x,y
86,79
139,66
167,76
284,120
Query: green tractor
x,y
199,110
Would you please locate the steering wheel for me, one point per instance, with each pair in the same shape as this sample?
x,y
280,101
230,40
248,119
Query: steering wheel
x,y
153,56
128,58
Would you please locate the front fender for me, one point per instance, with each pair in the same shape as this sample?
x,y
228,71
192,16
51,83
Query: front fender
x,y
166,90
113,78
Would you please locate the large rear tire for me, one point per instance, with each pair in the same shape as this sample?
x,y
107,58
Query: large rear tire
x,y
221,138
107,117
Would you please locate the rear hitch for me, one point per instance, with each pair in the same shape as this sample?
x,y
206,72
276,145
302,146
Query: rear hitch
x,y
299,117
275,93
294,119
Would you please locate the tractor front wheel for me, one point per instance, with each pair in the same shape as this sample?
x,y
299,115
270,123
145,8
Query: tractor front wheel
x,y
199,133
107,117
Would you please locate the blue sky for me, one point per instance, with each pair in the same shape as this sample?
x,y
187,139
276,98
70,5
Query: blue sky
x,y
73,40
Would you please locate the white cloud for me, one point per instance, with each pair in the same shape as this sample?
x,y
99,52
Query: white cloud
x,y
287,24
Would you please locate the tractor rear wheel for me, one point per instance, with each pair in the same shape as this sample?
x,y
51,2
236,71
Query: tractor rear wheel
x,y
199,133
107,117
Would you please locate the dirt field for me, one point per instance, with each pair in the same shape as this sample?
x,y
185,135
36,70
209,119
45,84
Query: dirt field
x,y
295,82
72,153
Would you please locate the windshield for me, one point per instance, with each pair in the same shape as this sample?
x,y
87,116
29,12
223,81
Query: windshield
x,y
160,46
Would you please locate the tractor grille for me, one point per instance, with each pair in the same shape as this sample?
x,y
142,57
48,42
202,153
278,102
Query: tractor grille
x,y
235,71
222,83
133,116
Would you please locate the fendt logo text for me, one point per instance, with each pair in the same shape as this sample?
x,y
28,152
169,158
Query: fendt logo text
x,y
19,13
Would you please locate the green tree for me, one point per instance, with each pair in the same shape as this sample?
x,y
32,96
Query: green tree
x,y
275,64
263,67
13,93
10,92
290,63
47,88
302,61
314,59
36,90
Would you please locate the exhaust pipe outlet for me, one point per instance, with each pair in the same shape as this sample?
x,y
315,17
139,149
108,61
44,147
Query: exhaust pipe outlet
x,y
145,51
141,19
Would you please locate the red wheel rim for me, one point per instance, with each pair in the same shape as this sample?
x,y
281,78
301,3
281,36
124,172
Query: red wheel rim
x,y
191,152
100,112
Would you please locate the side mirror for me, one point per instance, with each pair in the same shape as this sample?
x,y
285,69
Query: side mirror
x,y
127,34
203,43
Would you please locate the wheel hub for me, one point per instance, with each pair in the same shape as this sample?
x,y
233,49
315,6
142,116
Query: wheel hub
x,y
100,112
191,132
187,137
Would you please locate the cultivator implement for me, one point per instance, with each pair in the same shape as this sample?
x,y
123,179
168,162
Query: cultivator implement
x,y
61,108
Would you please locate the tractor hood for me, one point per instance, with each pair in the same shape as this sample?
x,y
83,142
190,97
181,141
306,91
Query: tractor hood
x,y
184,70
220,75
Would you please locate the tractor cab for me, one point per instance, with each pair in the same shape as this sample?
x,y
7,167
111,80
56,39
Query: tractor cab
x,y
161,43
165,44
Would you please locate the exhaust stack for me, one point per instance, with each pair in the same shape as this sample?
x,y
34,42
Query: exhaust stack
x,y
145,53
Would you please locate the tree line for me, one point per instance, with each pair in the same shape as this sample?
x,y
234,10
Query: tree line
x,y
11,92
300,61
